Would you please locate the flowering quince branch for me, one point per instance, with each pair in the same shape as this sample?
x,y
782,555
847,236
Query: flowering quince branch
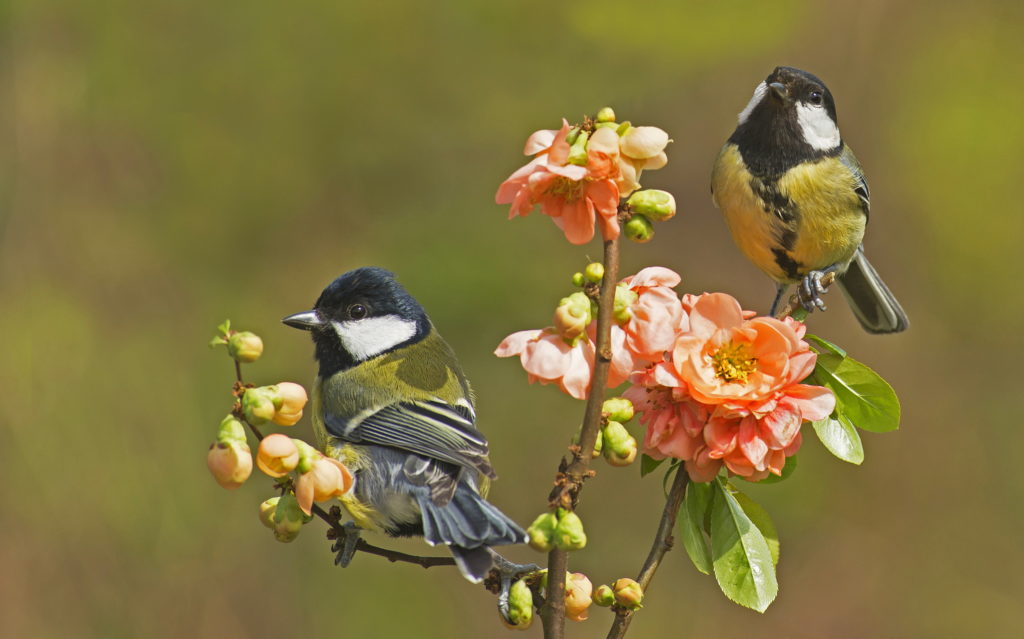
x,y
794,306
230,461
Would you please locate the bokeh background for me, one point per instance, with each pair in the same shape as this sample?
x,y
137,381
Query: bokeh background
x,y
167,164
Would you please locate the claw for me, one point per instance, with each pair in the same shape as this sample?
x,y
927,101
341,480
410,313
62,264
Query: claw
x,y
345,546
508,572
811,290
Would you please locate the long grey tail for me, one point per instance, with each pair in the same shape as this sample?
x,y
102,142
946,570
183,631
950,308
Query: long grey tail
x,y
871,300
468,524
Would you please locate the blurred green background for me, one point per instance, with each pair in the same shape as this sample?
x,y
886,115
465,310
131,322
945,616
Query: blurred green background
x,y
168,164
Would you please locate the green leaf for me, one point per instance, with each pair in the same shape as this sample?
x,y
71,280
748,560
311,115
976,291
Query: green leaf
x,y
648,464
865,399
740,554
691,525
787,470
825,344
762,520
225,327
840,438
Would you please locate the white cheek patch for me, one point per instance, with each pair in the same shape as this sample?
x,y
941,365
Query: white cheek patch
x,y
817,127
759,92
372,336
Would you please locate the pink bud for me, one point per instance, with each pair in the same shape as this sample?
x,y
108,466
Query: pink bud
x,y
291,399
642,142
230,463
277,455
578,590
328,478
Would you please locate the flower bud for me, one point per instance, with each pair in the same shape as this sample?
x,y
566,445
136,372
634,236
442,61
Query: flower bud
x,y
230,463
624,300
594,272
639,229
277,455
578,591
258,405
578,150
569,533
605,115
520,606
618,409
628,594
328,478
289,401
307,455
267,510
573,315
603,596
619,446
288,519
541,532
577,279
231,430
655,205
245,347
641,142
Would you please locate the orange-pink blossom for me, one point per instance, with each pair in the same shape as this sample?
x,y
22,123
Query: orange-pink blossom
x,y
571,195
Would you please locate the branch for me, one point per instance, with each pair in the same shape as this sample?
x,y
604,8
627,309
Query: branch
x,y
570,478
662,544
794,304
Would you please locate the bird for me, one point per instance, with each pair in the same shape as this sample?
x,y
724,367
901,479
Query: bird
x,y
796,200
392,403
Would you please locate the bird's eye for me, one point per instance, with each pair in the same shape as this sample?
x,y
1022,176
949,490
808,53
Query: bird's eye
x,y
815,98
357,311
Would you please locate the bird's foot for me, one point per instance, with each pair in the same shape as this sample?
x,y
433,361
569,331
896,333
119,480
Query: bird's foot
x,y
811,290
507,573
345,546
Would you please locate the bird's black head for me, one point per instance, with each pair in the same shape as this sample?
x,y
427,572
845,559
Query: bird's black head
x,y
362,314
791,118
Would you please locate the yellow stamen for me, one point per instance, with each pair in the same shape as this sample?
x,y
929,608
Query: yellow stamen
x,y
733,362
569,190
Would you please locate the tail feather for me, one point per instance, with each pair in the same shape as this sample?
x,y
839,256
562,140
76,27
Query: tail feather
x,y
871,300
469,525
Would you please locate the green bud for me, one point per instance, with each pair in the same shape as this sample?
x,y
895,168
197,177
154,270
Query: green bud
x,y
577,279
288,518
573,315
639,229
267,510
231,430
541,532
618,409
569,534
628,594
605,115
620,447
603,596
624,300
245,347
578,150
307,455
606,125
570,137
594,272
656,205
258,405
520,606
624,128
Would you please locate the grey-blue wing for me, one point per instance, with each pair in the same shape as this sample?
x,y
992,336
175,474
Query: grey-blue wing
x,y
850,161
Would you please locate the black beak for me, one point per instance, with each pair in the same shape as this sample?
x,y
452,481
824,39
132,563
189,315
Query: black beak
x,y
780,91
306,320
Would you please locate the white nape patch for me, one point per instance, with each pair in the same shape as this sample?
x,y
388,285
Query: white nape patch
x,y
818,128
759,92
373,335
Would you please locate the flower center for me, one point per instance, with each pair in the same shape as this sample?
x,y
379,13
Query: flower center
x,y
569,190
734,362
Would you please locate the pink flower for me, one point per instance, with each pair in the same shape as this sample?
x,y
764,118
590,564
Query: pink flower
x,y
328,478
657,317
569,194
547,358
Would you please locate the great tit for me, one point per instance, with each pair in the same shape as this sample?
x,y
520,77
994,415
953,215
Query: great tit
x,y
391,402
796,200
